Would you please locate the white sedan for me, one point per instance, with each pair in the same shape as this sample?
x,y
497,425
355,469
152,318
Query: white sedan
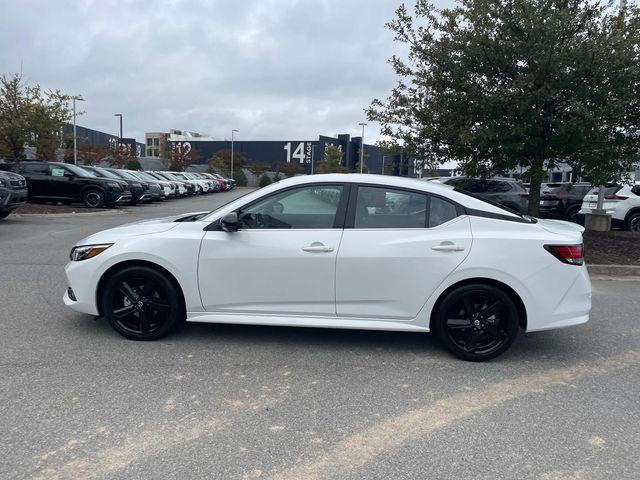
x,y
340,251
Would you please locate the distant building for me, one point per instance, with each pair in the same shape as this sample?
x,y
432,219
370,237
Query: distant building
x,y
277,152
102,139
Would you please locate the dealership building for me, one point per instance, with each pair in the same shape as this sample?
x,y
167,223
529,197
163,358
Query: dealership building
x,y
306,153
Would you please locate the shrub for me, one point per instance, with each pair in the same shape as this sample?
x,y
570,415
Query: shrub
x,y
264,180
276,177
240,177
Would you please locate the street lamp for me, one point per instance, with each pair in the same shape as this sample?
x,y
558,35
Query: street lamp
x,y
362,148
75,138
232,132
119,115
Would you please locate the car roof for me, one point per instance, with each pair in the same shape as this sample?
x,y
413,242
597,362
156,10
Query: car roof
x,y
436,188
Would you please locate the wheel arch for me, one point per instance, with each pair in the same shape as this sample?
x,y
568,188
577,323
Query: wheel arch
x,y
522,311
134,263
92,186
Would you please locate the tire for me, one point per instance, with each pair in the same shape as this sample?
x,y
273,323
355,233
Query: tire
x,y
4,214
572,215
141,303
633,222
93,198
476,322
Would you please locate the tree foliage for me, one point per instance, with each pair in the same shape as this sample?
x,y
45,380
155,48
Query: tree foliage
x,y
30,116
220,162
182,156
290,169
87,153
498,85
332,161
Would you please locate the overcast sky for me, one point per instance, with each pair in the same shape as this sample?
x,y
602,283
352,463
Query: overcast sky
x,y
273,69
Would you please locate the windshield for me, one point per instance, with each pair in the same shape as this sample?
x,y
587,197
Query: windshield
x,y
144,176
495,204
105,173
80,172
127,175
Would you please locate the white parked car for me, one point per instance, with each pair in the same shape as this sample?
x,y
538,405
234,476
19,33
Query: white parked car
x,y
622,202
340,251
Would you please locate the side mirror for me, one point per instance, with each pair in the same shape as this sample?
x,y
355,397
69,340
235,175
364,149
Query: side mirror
x,y
229,222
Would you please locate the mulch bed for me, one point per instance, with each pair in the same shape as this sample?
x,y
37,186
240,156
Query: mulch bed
x,y
45,208
612,248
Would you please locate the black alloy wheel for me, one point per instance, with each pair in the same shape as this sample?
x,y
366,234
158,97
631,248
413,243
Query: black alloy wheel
x,y
633,223
93,199
477,322
142,304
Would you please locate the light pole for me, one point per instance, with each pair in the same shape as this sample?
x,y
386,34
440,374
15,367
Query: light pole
x,y
232,132
362,148
75,138
119,115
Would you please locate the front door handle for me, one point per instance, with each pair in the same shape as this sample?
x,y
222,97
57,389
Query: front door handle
x,y
448,247
316,247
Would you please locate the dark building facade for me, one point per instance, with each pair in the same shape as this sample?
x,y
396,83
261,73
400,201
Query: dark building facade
x,y
302,152
102,139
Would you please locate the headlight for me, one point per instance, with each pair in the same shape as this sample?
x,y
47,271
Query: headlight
x,y
84,252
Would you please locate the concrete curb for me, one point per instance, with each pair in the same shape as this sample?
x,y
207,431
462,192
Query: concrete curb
x,y
615,270
70,214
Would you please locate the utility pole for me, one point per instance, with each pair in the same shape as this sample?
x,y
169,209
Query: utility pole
x,y
362,148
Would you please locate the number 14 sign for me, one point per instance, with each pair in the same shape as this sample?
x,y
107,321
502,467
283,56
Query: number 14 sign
x,y
298,154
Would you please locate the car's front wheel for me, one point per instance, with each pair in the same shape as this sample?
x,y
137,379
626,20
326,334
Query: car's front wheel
x,y
141,303
476,322
93,198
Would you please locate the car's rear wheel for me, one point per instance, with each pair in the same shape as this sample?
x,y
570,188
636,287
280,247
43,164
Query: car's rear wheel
x,y
573,215
141,303
93,198
633,222
477,322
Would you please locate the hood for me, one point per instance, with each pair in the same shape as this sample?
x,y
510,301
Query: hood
x,y
142,227
10,175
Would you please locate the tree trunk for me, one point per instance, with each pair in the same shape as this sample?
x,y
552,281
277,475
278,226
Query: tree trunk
x,y
536,172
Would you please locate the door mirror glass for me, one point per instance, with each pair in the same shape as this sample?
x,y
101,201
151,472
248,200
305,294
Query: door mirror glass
x,y
229,222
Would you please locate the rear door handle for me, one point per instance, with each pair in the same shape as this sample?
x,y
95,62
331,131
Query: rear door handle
x,y
317,247
448,247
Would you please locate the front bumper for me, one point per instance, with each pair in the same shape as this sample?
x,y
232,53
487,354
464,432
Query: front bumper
x,y
80,294
11,199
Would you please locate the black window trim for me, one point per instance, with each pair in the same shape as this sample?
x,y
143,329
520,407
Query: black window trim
x,y
351,208
341,211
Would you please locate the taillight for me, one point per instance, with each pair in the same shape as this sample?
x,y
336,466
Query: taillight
x,y
614,197
571,254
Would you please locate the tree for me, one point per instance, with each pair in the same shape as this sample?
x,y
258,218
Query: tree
x,y
87,153
30,116
332,161
290,169
181,156
121,156
220,162
498,85
258,168
240,177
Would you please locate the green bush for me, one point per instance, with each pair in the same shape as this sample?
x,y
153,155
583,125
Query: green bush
x,y
264,180
240,177
277,177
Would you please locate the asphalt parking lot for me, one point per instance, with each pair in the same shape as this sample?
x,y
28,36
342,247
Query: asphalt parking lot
x,y
241,402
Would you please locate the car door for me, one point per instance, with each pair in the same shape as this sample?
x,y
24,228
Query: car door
x,y
37,178
397,248
282,259
60,182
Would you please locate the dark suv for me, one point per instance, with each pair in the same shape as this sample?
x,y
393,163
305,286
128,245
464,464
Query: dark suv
x,y
562,200
13,192
138,193
67,183
507,192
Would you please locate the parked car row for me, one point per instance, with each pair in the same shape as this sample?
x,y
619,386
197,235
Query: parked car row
x,y
561,200
96,187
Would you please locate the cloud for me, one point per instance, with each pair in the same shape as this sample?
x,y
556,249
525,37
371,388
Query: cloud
x,y
274,69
